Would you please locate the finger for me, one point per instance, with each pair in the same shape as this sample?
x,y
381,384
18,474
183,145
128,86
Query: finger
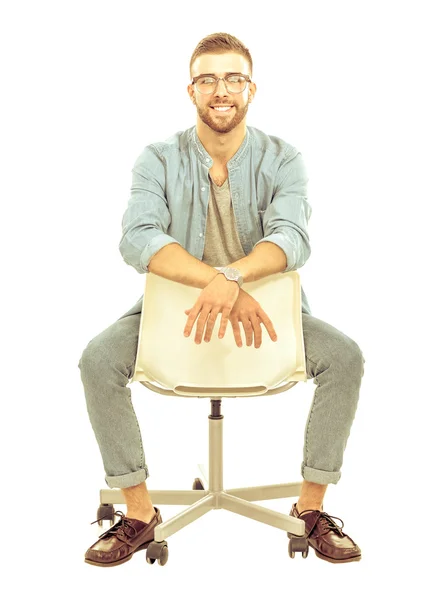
x,y
224,320
210,324
248,328
201,324
255,320
237,332
269,325
191,319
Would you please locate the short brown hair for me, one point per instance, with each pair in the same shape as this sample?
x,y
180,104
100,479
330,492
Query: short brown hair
x,y
220,43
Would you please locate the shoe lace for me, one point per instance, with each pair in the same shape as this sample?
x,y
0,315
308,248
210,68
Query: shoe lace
x,y
122,529
325,524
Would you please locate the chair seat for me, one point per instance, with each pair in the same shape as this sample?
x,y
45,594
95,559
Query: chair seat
x,y
219,368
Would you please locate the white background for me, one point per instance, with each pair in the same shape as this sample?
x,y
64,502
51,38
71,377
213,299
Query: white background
x,y
82,96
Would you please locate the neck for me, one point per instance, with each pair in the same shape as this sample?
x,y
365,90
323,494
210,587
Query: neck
x,y
221,146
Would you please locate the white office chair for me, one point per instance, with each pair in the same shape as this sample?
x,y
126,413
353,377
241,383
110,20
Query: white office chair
x,y
170,364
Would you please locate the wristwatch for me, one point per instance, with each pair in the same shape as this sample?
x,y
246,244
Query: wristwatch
x,y
232,274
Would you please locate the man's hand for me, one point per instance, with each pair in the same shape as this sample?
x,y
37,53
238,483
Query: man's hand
x,y
247,311
218,296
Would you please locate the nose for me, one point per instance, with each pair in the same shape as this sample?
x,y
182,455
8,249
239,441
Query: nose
x,y
222,89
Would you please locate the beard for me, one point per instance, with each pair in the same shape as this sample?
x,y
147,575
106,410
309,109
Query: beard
x,y
222,124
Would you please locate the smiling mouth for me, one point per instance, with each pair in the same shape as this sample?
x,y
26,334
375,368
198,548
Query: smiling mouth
x,y
220,112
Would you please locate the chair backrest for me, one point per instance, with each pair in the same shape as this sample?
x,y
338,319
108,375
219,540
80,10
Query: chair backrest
x,y
219,368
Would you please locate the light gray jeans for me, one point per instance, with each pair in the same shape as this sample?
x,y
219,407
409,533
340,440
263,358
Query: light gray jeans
x,y
107,364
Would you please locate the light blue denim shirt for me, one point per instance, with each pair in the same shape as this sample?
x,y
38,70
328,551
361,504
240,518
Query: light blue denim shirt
x,y
170,194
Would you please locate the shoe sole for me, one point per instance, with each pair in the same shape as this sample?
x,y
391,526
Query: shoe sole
x,y
118,562
336,560
327,558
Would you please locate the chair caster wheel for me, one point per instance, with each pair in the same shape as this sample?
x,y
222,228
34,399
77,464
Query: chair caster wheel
x,y
298,544
105,512
197,484
157,551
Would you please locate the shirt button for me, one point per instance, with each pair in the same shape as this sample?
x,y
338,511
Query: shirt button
x,y
203,189
200,235
207,160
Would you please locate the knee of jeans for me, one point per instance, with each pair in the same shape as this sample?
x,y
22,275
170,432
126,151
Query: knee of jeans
x,y
352,358
357,359
91,357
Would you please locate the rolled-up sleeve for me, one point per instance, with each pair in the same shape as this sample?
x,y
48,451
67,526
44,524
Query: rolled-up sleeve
x,y
147,218
285,221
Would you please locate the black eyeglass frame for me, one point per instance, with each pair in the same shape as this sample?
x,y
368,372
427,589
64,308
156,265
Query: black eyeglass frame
x,y
247,78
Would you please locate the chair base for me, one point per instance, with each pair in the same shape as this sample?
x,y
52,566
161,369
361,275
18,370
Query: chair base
x,y
236,500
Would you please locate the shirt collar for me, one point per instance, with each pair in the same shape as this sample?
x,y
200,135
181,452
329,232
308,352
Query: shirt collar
x,y
206,159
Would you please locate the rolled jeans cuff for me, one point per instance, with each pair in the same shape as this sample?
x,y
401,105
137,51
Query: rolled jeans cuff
x,y
319,476
128,480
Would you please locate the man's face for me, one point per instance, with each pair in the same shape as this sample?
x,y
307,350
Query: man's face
x,y
220,64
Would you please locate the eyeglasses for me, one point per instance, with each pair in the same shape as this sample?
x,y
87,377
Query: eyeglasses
x,y
235,83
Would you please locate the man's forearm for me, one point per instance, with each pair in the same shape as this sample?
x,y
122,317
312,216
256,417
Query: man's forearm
x,y
265,259
174,263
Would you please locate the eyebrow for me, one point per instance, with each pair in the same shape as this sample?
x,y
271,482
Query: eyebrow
x,y
214,75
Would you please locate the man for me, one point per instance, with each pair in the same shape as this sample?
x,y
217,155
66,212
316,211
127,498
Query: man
x,y
219,193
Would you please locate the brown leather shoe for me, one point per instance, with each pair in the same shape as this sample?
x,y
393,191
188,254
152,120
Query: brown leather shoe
x,y
118,544
326,537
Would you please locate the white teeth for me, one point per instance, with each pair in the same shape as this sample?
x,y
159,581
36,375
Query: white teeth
x,y
222,108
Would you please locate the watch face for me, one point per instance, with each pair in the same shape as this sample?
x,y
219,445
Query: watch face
x,y
233,274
